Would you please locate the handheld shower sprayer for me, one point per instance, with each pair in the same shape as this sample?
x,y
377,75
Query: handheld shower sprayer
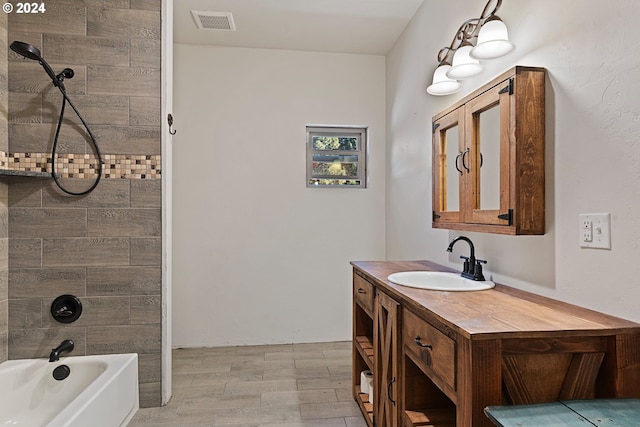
x,y
31,52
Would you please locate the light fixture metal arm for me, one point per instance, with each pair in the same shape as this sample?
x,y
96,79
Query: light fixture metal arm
x,y
485,12
469,30
477,39
466,32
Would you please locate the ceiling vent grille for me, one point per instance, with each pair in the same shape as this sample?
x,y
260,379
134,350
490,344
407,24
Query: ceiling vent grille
x,y
214,20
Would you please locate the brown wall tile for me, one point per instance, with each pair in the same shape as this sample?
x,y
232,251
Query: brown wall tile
x,y
25,192
108,194
144,111
35,137
71,49
60,17
128,140
146,193
4,129
145,53
4,313
92,251
4,230
96,311
124,339
103,80
114,4
146,4
150,367
4,203
36,343
4,347
25,313
71,184
146,251
123,281
27,77
150,395
46,282
123,23
25,253
4,274
48,222
96,109
124,222
25,107
146,309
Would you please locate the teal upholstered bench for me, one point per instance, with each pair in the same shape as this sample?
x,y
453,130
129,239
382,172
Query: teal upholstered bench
x,y
569,413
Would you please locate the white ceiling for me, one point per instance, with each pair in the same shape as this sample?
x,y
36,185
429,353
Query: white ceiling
x,y
347,26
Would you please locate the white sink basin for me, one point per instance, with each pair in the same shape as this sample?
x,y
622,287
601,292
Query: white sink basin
x,y
438,281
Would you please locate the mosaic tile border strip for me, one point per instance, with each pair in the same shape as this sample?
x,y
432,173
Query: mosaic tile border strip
x,y
116,166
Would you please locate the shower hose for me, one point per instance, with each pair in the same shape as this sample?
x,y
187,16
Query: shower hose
x,y
54,148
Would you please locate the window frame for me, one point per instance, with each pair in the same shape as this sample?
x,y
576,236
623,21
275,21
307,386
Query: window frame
x,y
360,132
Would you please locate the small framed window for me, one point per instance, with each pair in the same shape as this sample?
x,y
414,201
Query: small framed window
x,y
336,157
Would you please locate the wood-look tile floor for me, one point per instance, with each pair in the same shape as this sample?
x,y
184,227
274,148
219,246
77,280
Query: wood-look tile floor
x,y
290,385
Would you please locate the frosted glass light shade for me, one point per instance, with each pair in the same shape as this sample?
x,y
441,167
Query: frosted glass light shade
x,y
443,85
463,65
493,41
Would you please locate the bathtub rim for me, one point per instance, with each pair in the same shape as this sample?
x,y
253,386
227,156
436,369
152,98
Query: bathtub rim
x,y
114,364
121,361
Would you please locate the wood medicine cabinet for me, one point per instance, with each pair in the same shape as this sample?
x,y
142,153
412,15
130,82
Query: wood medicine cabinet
x,y
488,157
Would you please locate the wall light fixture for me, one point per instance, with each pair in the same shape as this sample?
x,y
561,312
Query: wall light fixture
x,y
461,59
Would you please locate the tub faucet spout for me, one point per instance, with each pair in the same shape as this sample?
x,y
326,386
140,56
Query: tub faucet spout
x,y
65,346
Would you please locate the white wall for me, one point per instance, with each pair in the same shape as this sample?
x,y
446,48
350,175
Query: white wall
x,y
258,257
593,146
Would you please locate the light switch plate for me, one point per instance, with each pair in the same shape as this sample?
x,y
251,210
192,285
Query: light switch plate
x,y
595,231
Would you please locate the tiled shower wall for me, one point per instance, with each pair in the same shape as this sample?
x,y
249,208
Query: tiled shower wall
x,y
4,145
104,248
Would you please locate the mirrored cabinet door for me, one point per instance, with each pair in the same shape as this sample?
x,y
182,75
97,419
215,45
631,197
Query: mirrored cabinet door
x,y
448,183
487,125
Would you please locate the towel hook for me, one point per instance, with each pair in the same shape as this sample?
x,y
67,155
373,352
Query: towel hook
x,y
170,121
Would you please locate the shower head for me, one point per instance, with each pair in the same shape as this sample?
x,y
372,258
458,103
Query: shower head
x,y
26,50
31,52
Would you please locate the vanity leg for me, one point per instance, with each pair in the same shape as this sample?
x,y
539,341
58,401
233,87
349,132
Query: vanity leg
x,y
621,368
479,381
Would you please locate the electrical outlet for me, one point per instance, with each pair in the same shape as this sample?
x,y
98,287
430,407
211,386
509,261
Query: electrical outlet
x,y
595,231
586,229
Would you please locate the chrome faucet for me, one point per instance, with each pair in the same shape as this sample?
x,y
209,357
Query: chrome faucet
x,y
65,346
472,268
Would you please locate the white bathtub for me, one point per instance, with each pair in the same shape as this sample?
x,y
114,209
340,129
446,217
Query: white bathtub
x,y
101,391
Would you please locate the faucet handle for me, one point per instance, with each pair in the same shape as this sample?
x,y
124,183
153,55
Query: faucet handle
x,y
477,270
466,267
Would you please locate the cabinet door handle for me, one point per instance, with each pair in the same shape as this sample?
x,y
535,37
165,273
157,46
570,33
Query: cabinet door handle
x,y
457,157
361,291
389,391
464,155
418,342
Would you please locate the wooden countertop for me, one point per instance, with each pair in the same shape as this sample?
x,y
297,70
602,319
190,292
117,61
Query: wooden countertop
x,y
501,312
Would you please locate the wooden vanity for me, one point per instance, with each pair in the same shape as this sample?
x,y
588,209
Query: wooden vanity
x,y
439,358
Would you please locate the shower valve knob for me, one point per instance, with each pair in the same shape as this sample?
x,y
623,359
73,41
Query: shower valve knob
x,y
66,308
